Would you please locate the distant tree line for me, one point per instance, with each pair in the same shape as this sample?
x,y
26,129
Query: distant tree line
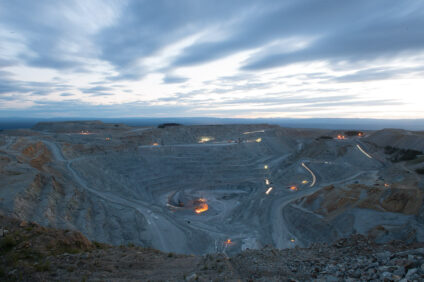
x,y
354,133
163,125
324,137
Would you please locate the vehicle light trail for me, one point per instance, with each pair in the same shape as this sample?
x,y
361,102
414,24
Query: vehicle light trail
x,y
205,139
268,191
314,178
250,132
362,150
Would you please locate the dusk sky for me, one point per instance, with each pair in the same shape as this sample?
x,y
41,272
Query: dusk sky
x,y
192,58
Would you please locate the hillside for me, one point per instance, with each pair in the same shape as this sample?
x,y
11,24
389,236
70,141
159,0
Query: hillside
x,y
30,252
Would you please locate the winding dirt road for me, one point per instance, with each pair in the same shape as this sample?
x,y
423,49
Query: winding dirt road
x,y
314,178
157,224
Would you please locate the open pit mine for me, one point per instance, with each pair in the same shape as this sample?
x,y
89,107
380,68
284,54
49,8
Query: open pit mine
x,y
217,188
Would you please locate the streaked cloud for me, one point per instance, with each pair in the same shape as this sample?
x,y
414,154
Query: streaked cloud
x,y
242,58
174,79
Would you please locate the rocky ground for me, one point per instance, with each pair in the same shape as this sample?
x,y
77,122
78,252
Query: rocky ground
x,y
30,252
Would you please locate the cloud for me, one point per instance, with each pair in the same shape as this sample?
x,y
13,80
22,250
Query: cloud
x,y
144,28
340,30
227,54
58,37
308,30
98,91
283,32
381,28
76,108
169,79
378,74
289,99
6,62
10,85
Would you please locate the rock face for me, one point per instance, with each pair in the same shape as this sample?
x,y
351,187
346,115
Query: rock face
x,y
208,189
338,211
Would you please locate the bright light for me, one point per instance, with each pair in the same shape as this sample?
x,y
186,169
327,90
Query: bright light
x,y
268,191
155,144
228,242
266,181
305,182
292,240
258,140
265,166
205,139
293,188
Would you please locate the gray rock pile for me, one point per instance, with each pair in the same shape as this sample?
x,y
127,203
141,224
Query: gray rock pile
x,y
352,259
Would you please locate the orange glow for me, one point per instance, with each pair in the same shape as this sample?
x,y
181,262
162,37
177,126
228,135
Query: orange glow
x,y
107,138
341,137
84,132
360,134
386,185
202,206
228,242
292,240
293,188
155,144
